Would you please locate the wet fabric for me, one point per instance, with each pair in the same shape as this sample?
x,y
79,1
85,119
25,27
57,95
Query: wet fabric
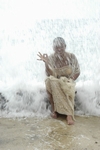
x,y
60,84
57,62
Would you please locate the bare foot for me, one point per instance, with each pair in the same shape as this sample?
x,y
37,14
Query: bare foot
x,y
54,115
70,120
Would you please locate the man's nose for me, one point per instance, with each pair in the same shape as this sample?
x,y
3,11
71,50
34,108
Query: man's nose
x,y
59,49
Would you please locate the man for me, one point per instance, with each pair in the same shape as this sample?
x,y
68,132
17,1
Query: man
x,y
62,68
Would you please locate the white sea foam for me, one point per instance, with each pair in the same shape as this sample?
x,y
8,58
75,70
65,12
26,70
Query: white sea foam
x,y
24,99
88,98
22,77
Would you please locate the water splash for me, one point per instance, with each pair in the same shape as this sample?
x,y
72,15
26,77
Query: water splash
x,y
22,76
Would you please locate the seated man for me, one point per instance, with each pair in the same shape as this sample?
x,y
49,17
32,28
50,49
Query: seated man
x,y
62,68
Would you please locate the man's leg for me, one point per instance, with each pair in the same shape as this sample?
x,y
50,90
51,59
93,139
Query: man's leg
x,y
54,114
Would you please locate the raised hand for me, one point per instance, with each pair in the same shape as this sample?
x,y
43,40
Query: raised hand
x,y
43,57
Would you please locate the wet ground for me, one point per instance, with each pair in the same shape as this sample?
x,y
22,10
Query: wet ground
x,y
50,134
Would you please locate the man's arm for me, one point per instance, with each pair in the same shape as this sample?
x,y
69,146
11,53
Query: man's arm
x,y
48,69
77,67
75,76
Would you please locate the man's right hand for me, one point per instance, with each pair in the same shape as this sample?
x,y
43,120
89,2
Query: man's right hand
x,y
43,57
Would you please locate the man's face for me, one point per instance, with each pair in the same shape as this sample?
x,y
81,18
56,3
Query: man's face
x,y
59,50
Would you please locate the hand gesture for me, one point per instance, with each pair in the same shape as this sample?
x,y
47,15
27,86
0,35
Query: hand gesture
x,y
43,57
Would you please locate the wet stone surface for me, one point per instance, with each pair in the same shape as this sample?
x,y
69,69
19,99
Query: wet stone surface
x,y
49,134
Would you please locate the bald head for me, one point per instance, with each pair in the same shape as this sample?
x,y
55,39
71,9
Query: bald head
x,y
59,42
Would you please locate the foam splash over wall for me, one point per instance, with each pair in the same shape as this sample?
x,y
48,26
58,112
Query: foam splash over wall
x,y
22,77
24,99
